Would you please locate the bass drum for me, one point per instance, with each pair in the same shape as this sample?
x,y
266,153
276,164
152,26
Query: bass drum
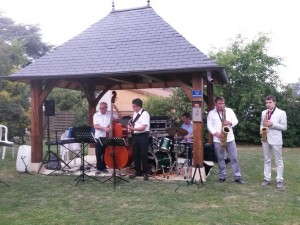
x,y
158,161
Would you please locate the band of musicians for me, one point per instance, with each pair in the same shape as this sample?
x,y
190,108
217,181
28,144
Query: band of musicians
x,y
149,152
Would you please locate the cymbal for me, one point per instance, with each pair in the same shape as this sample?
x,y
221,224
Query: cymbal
x,y
176,130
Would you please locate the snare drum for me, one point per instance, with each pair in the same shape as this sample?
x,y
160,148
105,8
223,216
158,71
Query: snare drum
x,y
165,145
157,161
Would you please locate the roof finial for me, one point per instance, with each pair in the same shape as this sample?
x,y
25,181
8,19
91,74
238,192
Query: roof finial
x,y
113,6
148,3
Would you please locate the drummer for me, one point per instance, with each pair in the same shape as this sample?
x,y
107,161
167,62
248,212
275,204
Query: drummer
x,y
188,139
188,126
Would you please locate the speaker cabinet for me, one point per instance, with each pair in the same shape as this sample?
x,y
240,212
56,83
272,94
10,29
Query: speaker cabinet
x,y
49,107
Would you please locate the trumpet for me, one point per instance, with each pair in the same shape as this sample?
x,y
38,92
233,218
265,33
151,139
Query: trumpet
x,y
225,131
264,131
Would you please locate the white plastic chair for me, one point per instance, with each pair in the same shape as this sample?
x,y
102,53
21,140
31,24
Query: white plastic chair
x,y
4,142
67,148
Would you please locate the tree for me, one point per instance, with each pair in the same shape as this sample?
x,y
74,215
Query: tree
x,y
295,88
28,35
14,109
169,106
19,45
291,104
70,100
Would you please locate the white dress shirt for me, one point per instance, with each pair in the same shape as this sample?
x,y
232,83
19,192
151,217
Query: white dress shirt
x,y
144,119
214,123
104,121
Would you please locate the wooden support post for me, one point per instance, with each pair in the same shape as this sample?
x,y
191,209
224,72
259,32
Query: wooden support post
x,y
198,125
36,122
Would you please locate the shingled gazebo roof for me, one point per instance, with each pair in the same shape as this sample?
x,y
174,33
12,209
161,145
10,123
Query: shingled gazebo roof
x,y
127,46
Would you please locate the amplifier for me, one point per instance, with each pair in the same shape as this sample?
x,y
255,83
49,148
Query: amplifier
x,y
159,123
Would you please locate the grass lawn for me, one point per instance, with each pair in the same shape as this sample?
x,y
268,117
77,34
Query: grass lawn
x,y
39,199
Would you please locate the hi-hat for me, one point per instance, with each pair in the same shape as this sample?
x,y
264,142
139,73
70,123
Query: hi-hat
x,y
176,130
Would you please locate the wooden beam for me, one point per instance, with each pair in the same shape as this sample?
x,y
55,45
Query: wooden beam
x,y
150,78
165,84
187,89
118,80
47,89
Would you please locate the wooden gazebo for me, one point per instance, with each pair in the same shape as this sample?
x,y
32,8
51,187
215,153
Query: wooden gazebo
x,y
127,49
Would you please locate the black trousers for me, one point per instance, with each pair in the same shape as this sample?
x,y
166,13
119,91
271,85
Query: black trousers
x,y
100,151
140,143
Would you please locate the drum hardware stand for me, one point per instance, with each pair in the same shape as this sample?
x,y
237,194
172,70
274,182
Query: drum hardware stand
x,y
175,164
163,170
85,136
113,142
187,163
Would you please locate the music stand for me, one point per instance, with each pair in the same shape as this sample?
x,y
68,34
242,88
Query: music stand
x,y
104,141
84,135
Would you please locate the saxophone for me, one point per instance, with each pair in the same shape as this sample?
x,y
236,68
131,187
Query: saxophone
x,y
225,130
264,130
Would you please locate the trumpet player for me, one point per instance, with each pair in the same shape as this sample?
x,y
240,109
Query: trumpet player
x,y
217,119
274,121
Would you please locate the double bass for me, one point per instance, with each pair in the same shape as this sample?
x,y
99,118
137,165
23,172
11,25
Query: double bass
x,y
123,154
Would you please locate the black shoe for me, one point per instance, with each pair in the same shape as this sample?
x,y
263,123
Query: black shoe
x,y
104,171
135,175
239,180
146,177
222,180
98,172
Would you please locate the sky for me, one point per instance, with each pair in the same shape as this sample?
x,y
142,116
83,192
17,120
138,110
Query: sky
x,y
207,24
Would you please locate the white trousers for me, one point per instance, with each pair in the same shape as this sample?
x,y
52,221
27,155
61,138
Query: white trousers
x,y
277,151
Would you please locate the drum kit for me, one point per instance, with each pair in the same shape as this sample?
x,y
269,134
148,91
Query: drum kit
x,y
164,150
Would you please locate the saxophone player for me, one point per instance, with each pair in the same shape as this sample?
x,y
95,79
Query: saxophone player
x,y
217,118
275,120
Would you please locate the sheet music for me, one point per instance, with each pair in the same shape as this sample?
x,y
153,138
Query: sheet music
x,y
83,134
104,141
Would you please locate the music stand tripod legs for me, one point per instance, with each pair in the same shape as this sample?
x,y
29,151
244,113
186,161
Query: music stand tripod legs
x,y
83,175
113,142
114,177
